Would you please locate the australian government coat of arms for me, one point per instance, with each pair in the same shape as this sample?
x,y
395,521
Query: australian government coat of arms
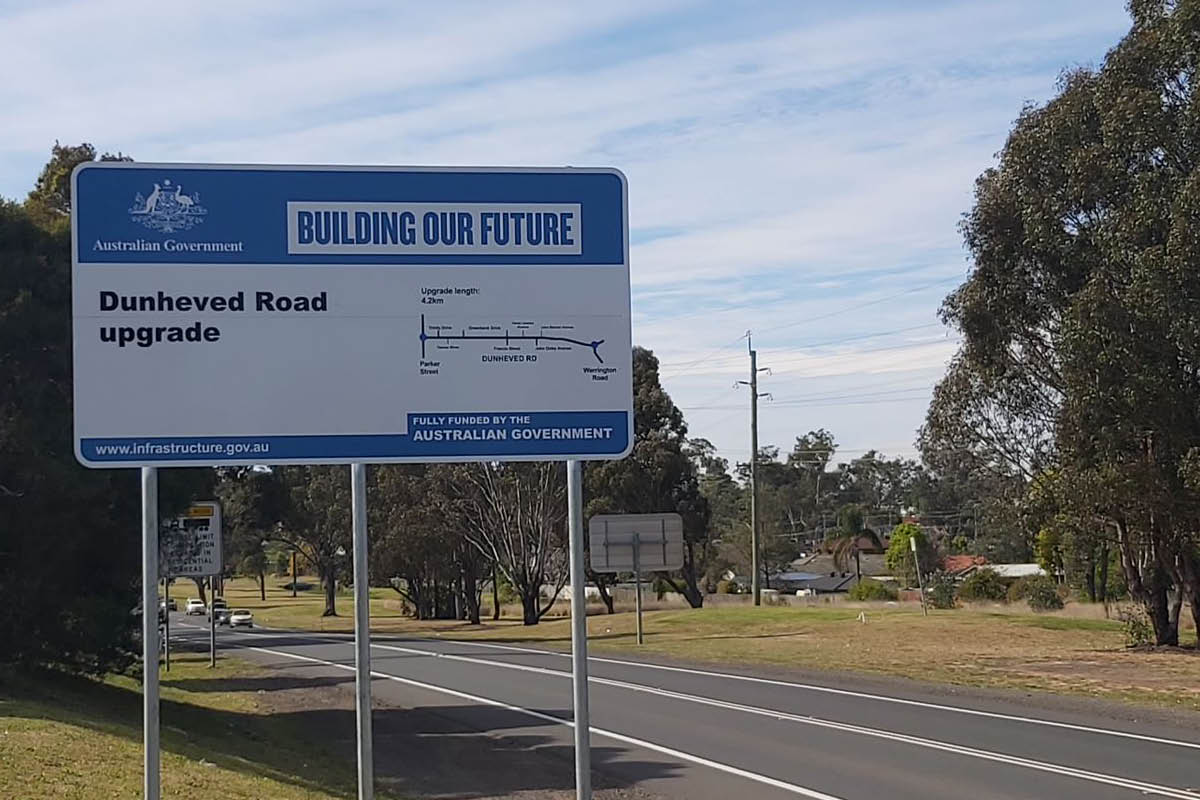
x,y
167,209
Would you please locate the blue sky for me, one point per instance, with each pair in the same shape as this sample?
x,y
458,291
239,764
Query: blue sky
x,y
796,168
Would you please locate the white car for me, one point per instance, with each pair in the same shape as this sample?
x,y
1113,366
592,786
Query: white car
x,y
195,606
241,617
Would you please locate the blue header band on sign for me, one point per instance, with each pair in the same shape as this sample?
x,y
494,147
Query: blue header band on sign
x,y
435,436
162,214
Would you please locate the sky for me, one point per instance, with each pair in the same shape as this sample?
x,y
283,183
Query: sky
x,y
797,169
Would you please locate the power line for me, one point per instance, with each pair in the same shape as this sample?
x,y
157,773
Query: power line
x,y
818,399
842,340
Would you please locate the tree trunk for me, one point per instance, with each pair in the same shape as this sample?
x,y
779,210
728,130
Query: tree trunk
x,y
200,588
1147,583
495,593
1188,561
471,600
529,606
602,588
329,580
1090,580
1104,576
262,586
857,566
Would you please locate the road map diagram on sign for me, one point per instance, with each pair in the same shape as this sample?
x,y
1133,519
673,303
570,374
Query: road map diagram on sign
x,y
514,336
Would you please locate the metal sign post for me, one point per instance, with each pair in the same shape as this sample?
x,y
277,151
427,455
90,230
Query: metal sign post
x,y
150,764
636,542
579,663
362,634
212,622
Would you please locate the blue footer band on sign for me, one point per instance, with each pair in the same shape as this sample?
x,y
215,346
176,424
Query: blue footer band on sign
x,y
433,435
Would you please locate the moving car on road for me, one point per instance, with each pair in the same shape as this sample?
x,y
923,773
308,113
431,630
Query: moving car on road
x,y
241,618
222,615
195,606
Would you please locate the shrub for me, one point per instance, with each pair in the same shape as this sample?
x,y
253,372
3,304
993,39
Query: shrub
x,y
1138,632
1019,590
941,590
873,590
1039,590
727,587
983,584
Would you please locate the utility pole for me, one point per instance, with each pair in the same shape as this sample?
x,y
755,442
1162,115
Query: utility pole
x,y
755,584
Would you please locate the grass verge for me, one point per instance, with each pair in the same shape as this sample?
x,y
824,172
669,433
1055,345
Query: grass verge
x,y
68,737
1071,652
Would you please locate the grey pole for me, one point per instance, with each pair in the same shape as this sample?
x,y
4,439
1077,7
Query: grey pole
x,y
637,584
917,563
754,580
212,622
362,634
579,665
150,754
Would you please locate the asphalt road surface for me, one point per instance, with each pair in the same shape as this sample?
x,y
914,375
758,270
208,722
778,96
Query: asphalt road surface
x,y
712,734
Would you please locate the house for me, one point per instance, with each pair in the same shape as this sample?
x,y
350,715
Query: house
x,y
828,584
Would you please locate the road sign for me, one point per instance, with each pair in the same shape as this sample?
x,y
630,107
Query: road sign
x,y
266,314
659,539
191,544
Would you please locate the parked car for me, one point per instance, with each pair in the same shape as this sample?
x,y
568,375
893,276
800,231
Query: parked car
x,y
241,617
195,606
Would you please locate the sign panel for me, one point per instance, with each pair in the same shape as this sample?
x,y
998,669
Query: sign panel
x,y
659,540
191,544
273,315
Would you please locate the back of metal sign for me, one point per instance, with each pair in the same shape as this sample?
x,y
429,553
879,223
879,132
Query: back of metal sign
x,y
659,538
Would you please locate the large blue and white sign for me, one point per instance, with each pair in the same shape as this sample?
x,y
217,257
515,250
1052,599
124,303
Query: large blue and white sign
x,y
265,314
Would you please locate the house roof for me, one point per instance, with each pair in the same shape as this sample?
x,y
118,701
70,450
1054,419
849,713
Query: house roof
x,y
1007,570
1017,570
822,564
953,564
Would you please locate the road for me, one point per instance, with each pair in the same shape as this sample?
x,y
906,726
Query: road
x,y
708,734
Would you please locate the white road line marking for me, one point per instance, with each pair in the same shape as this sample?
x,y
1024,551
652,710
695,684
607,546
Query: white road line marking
x,y
843,693
987,755
679,754
816,688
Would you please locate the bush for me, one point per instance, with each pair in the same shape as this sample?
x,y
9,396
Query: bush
x,y
941,590
1039,590
727,587
1018,590
873,590
982,585
1138,631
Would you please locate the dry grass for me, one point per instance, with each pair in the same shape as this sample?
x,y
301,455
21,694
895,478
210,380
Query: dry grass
x,y
65,737
1075,651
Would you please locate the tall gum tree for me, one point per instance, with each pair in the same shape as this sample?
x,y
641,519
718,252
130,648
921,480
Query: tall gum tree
x,y
1081,317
